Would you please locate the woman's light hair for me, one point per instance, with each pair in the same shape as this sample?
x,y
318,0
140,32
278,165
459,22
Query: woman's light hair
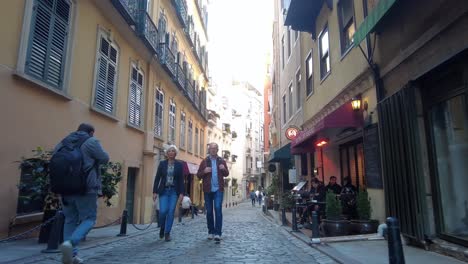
x,y
169,147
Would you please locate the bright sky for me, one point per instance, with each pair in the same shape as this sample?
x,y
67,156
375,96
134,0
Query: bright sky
x,y
239,40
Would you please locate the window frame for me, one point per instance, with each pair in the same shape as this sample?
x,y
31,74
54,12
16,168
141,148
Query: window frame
x,y
309,77
284,109
290,99
104,34
159,103
197,141
342,25
20,69
298,79
182,133
190,136
323,75
282,52
135,66
171,135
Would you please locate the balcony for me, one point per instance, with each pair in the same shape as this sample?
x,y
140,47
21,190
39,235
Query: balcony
x,y
190,31
128,9
197,100
226,128
233,158
180,77
167,59
149,32
248,151
189,88
226,154
181,10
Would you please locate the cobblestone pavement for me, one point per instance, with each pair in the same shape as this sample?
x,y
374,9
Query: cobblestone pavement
x,y
247,238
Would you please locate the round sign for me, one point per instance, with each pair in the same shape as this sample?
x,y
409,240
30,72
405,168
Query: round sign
x,y
271,168
292,133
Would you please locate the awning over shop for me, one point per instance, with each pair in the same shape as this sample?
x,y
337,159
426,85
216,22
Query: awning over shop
x,y
368,25
193,168
302,14
283,153
343,117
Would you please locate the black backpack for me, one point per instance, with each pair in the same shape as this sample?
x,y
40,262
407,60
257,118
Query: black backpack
x,y
67,176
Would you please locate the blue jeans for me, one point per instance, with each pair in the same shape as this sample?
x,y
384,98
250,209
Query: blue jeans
x,y
167,205
214,225
80,216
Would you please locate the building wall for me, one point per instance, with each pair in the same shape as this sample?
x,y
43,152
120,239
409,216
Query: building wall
x,y
37,116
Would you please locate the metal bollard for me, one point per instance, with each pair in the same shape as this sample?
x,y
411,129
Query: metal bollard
x,y
395,248
315,228
56,234
283,217
123,223
192,210
294,220
180,214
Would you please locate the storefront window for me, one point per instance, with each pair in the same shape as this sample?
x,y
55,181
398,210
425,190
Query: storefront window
x,y
450,137
352,162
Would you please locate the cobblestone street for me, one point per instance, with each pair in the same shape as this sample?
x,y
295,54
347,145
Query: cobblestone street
x,y
248,237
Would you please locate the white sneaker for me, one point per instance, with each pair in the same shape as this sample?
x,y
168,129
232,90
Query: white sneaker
x,y
77,260
210,236
67,252
217,238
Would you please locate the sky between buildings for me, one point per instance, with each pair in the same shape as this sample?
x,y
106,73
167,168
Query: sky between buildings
x,y
239,40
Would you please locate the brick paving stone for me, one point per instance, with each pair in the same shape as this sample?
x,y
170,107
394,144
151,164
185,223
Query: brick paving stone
x,y
247,238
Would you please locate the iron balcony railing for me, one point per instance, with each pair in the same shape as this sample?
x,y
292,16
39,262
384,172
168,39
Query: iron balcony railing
x,y
167,59
197,101
181,9
149,32
128,9
189,87
180,77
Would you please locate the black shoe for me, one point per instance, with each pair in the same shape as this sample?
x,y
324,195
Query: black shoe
x,y
167,237
161,233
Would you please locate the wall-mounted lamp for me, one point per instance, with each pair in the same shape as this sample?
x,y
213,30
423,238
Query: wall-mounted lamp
x,y
316,171
322,142
356,103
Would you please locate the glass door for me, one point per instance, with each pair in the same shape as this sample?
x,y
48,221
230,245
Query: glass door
x,y
449,125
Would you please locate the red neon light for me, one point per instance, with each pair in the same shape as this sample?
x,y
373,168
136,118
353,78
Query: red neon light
x,y
322,143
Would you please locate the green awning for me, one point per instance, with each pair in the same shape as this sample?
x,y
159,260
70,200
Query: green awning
x,y
372,19
283,153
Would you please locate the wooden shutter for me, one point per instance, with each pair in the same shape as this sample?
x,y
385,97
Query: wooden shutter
x,y
106,77
48,41
136,92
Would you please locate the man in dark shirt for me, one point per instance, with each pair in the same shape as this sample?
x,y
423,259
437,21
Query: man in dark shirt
x,y
333,186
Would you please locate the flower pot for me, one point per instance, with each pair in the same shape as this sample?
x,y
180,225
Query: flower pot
x,y
364,226
336,227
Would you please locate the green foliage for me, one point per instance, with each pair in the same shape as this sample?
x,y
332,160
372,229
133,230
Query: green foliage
x,y
111,175
333,207
363,205
37,189
287,200
273,188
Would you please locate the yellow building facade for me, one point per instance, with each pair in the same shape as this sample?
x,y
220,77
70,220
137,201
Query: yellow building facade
x,y
136,70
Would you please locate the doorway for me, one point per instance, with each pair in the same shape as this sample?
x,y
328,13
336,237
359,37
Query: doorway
x,y
352,163
130,201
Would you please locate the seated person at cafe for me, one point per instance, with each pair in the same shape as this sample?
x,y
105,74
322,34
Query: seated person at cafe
x,y
333,186
348,198
317,195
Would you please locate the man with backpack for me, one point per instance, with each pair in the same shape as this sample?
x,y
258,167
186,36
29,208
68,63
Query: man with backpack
x,y
74,173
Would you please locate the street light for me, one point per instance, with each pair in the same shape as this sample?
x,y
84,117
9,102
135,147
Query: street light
x,y
356,103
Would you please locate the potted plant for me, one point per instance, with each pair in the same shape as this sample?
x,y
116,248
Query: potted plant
x,y
287,201
334,224
364,225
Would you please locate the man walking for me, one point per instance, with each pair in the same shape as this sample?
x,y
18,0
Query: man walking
x,y
212,171
80,209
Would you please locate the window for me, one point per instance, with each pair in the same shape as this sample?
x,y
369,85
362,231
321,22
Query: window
x,y
136,97
190,135
159,111
298,89
162,27
172,121
346,22
284,109
106,75
282,52
196,141
202,143
324,53
290,101
289,41
309,75
182,129
47,43
174,44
